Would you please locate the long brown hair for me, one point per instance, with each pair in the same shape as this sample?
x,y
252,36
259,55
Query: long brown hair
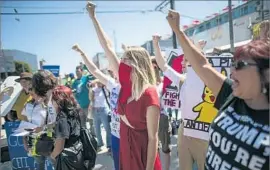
x,y
142,70
65,100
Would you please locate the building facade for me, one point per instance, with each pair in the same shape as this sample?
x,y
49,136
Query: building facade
x,y
164,44
22,56
101,61
215,30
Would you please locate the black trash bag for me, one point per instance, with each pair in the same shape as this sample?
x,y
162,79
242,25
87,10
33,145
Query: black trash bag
x,y
90,147
70,159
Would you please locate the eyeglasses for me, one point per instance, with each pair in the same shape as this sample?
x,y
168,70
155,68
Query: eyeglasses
x,y
239,65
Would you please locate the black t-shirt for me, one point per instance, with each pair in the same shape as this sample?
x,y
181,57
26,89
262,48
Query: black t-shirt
x,y
239,136
68,128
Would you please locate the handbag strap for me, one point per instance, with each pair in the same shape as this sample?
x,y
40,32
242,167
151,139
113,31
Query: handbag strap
x,y
107,101
47,114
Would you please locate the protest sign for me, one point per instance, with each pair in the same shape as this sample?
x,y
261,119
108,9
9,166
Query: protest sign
x,y
198,109
52,68
115,118
18,156
171,91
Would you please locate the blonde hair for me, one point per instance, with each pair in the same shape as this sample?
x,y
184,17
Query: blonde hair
x,y
142,70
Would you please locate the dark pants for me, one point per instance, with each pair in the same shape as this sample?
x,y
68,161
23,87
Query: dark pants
x,y
115,151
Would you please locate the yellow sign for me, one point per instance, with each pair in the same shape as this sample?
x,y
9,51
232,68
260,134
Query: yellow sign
x,y
207,111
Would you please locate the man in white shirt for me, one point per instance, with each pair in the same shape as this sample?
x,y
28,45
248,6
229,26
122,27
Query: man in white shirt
x,y
190,149
100,110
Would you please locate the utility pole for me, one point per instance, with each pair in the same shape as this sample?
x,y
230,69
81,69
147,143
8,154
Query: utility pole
x,y
1,50
262,10
172,4
231,26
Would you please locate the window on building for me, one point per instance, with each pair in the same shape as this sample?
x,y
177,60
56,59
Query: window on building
x,y
208,25
252,7
213,23
201,28
235,13
218,20
225,18
244,11
191,31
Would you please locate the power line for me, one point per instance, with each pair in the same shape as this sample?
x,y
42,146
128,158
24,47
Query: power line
x,y
75,12
82,12
35,7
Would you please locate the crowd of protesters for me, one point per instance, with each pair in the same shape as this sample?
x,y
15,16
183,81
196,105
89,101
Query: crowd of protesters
x,y
127,103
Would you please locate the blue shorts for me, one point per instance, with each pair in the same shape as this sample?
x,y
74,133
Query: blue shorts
x,y
115,151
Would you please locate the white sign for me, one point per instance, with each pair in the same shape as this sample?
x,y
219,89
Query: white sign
x,y
115,118
10,91
198,109
171,95
20,131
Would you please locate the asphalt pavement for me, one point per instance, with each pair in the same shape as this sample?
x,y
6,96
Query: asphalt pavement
x,y
105,161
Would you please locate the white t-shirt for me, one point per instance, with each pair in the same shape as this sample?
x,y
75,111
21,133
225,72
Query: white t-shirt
x,y
114,89
35,113
99,98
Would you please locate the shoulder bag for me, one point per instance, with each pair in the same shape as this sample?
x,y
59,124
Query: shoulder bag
x,y
45,144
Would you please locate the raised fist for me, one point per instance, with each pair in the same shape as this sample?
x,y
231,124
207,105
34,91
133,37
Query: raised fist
x,y
91,8
76,47
156,38
174,20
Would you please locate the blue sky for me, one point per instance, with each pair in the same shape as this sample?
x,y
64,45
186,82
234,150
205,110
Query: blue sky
x,y
51,36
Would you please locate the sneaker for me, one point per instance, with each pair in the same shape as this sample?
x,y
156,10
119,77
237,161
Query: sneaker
x,y
99,149
109,150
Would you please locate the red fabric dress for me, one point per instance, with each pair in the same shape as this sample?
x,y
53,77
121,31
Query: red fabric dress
x,y
134,142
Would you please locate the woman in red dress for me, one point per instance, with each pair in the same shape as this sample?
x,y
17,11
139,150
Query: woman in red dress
x,y
138,103
139,111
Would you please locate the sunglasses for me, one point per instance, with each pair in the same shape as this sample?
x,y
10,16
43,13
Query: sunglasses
x,y
239,65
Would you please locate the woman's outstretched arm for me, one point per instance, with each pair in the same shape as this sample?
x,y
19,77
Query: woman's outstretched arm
x,y
104,40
